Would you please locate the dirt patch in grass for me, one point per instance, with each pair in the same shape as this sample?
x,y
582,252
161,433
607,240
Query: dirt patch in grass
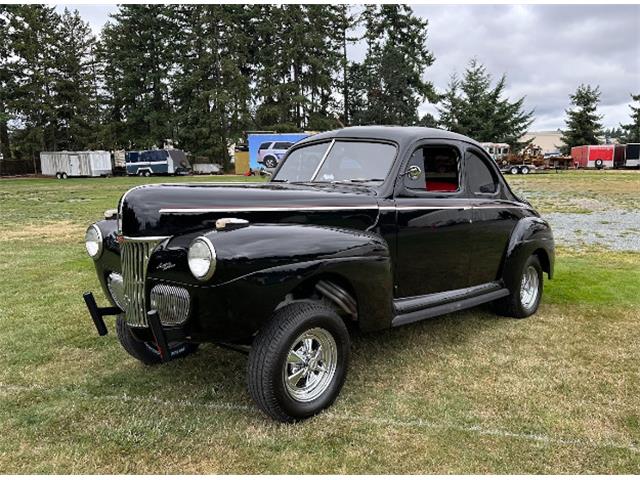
x,y
45,232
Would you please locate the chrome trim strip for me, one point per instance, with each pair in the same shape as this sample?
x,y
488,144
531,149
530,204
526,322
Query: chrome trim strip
x,y
266,209
145,239
420,207
336,208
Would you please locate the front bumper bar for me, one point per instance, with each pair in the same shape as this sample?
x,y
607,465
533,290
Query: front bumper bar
x,y
159,334
98,312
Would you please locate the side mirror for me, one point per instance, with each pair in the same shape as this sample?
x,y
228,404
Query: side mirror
x,y
413,172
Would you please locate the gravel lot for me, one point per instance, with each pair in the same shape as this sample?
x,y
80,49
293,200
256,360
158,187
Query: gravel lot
x,y
614,229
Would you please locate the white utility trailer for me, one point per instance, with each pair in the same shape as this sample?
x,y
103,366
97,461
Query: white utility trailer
x,y
96,163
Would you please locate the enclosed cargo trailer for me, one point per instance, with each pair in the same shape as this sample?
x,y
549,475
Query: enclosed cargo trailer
x,y
157,162
632,155
597,156
76,164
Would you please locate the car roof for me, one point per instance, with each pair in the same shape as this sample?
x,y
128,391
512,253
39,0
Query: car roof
x,y
400,135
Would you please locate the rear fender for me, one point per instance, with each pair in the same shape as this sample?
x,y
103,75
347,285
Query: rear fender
x,y
531,235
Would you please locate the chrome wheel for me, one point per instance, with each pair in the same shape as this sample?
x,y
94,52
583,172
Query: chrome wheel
x,y
529,287
310,365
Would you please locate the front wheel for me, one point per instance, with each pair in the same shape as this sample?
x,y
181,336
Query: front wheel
x,y
524,170
525,298
513,170
298,361
147,352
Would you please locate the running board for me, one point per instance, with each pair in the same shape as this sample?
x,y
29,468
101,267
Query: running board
x,y
442,309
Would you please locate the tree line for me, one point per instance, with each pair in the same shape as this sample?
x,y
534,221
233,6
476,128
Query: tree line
x,y
203,75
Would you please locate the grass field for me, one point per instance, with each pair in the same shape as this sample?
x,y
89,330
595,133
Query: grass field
x,y
466,393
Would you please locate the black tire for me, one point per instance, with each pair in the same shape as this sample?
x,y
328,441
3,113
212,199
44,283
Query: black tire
x,y
147,352
513,305
147,173
270,162
64,176
514,170
524,170
599,164
268,360
59,176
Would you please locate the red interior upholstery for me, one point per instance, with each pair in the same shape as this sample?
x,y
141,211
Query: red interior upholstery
x,y
441,186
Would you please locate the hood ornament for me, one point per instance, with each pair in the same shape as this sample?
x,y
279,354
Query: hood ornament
x,y
231,223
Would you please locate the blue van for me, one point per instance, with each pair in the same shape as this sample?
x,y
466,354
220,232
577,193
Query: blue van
x,y
157,162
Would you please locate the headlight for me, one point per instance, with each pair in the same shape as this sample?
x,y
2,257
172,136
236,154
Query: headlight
x,y
202,258
93,242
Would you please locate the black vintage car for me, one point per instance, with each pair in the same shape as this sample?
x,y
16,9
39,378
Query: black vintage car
x,y
364,227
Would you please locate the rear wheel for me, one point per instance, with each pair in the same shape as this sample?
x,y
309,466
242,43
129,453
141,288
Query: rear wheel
x,y
513,170
59,176
524,170
147,352
64,176
298,361
599,164
524,300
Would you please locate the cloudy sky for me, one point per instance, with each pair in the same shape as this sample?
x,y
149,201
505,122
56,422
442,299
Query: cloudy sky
x,y
546,51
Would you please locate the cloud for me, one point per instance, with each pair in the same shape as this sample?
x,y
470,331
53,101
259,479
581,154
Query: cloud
x,y
546,51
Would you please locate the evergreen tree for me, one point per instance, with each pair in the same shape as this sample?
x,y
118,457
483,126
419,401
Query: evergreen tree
x,y
631,131
76,84
391,76
583,123
346,21
296,56
5,85
32,37
137,55
613,134
211,88
472,107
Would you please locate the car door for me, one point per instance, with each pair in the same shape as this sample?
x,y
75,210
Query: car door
x,y
433,221
493,217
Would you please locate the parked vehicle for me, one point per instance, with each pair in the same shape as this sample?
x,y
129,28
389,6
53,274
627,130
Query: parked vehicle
x,y
270,153
497,151
65,164
597,156
207,168
632,155
364,227
522,162
157,162
119,162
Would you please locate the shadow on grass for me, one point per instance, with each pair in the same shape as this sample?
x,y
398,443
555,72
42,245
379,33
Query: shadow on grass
x,y
215,374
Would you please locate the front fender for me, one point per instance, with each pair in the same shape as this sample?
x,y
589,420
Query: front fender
x,y
109,261
530,235
258,265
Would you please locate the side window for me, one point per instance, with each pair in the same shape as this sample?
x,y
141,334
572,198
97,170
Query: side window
x,y
481,178
439,169
281,145
264,146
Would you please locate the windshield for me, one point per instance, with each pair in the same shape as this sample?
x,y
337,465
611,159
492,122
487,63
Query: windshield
x,y
338,161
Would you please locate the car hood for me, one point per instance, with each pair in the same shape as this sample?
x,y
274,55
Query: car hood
x,y
170,209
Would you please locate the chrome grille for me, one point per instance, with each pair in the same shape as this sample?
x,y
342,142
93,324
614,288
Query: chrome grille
x,y
135,255
172,304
